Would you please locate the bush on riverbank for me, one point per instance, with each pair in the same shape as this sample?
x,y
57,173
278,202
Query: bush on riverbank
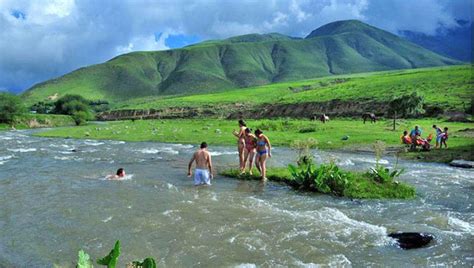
x,y
330,179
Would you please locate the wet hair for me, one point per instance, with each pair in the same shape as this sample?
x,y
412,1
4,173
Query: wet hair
x,y
242,123
258,132
119,171
405,132
417,127
434,126
248,130
203,145
445,129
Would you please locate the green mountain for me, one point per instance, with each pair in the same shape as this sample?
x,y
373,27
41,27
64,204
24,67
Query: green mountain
x,y
341,47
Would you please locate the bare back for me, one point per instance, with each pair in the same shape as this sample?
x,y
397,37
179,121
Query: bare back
x,y
202,158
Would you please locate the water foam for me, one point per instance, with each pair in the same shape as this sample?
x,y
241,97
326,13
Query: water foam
x,y
460,224
22,150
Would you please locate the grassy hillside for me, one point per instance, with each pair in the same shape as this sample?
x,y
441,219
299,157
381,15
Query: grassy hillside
x,y
447,87
338,48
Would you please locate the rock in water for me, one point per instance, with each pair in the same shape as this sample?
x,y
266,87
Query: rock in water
x,y
412,240
462,163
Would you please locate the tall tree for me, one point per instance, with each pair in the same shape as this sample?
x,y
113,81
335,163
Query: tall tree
x,y
10,107
405,106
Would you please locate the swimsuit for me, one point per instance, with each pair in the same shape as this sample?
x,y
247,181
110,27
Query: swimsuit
x,y
249,143
264,151
201,177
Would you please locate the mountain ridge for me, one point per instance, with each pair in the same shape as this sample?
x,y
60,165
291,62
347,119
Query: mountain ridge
x,y
242,61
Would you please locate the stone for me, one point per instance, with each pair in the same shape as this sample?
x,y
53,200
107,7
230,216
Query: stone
x,y
412,240
462,163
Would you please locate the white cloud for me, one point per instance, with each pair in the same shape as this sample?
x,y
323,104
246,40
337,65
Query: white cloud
x,y
58,36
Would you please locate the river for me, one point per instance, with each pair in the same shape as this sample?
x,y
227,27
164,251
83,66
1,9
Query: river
x,y
55,201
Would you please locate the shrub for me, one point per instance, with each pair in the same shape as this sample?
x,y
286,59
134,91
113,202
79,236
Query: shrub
x,y
10,107
327,178
379,173
307,130
71,104
81,117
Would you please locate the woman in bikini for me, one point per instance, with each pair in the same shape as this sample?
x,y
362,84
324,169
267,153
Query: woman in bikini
x,y
264,151
250,146
241,143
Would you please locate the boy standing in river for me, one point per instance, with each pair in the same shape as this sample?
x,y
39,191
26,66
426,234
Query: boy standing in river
x,y
203,171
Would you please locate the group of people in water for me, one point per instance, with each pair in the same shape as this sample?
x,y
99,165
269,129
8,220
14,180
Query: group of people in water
x,y
251,147
415,139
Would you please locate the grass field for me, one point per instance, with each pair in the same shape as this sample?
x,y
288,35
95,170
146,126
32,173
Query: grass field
x,y
447,87
281,133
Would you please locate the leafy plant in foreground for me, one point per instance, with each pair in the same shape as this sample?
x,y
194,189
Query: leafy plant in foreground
x,y
84,260
111,259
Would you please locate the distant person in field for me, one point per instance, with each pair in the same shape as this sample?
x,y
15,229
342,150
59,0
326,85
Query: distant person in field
x,y
119,175
444,138
250,148
406,139
439,133
264,151
415,134
241,143
203,172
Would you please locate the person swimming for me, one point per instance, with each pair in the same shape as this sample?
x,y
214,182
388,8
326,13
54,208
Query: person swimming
x,y
250,147
241,143
203,172
119,175
263,152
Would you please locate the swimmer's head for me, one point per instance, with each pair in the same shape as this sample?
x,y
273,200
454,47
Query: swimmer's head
x,y
121,172
258,132
242,123
248,131
203,145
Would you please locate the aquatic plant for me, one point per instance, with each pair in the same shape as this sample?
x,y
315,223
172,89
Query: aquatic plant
x,y
327,178
111,260
84,260
380,173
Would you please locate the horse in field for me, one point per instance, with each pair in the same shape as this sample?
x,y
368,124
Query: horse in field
x,y
369,116
323,118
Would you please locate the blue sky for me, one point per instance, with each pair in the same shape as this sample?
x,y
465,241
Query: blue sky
x,y
43,39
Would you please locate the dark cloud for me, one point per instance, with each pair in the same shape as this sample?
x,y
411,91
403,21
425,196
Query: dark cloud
x,y
40,40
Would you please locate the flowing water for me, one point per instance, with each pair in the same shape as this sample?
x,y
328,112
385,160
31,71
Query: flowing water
x,y
55,201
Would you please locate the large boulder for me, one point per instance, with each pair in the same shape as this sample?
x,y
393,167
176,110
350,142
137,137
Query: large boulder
x,y
462,163
412,240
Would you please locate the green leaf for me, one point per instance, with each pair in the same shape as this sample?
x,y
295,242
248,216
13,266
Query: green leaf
x,y
147,263
84,260
111,260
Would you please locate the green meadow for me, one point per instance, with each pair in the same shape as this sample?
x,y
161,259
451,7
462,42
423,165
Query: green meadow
x,y
281,133
446,87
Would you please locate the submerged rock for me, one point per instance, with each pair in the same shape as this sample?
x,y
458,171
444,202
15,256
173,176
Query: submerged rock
x,y
462,163
412,240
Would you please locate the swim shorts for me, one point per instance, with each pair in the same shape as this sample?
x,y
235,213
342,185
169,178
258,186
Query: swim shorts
x,y
201,176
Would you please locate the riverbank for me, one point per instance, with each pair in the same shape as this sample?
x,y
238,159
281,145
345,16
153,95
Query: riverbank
x,y
340,134
357,186
28,121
